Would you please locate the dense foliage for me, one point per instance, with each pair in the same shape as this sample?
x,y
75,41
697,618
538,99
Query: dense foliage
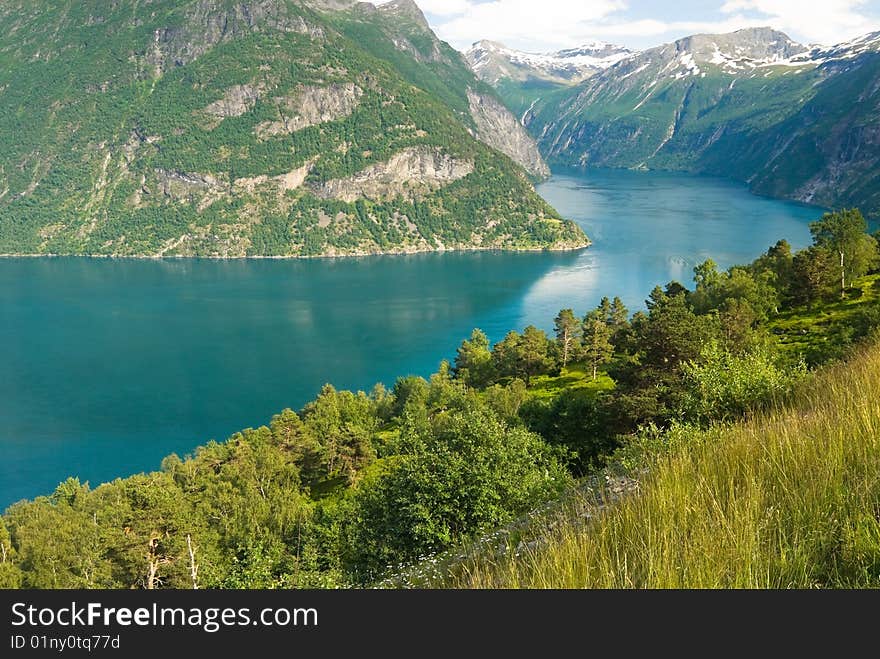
x,y
356,485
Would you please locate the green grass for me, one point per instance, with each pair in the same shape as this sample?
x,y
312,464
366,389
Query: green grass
x,y
788,499
804,330
575,377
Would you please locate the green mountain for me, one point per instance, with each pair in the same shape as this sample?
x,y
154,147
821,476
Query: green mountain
x,y
262,128
792,121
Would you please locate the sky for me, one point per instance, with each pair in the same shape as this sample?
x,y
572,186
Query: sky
x,y
547,25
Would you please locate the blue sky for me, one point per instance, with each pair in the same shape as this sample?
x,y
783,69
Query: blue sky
x,y
540,25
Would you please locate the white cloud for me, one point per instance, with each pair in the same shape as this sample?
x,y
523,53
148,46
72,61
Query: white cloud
x,y
823,21
652,27
551,24
444,7
520,22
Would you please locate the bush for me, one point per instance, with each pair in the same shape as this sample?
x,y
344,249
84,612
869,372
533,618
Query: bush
x,y
721,386
454,478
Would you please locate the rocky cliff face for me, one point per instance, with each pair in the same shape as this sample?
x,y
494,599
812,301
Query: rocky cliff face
x,y
828,153
310,106
412,173
404,24
206,23
498,128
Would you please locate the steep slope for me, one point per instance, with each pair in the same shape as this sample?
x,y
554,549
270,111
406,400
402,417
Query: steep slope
x,y
787,499
829,152
398,32
224,128
793,121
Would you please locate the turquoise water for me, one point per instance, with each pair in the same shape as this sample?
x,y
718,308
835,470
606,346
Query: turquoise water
x,y
109,365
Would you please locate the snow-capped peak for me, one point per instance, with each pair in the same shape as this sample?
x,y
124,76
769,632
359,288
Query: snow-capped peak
x,y
493,61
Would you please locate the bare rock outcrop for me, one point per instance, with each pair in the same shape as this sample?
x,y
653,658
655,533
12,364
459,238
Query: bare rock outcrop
x,y
409,173
312,106
186,186
210,22
498,128
236,101
288,182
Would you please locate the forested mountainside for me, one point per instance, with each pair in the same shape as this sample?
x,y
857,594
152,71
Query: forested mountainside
x,y
792,121
261,128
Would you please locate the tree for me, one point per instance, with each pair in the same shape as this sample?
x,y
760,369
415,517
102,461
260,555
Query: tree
x,y
618,316
344,424
292,437
671,332
473,361
568,334
597,340
534,353
10,575
505,355
722,386
812,274
649,383
708,282
615,313
575,420
57,546
717,291
843,233
778,260
453,478
409,392
523,355
737,321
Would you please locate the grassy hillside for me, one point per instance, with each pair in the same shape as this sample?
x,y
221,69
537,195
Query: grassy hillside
x,y
788,499
220,128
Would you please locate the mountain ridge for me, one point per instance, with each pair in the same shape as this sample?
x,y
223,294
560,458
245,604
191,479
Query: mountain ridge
x,y
793,121
493,61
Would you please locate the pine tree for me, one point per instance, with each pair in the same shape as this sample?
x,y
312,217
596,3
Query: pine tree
x,y
568,335
473,361
597,340
534,353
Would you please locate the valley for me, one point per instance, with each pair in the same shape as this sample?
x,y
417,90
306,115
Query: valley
x,y
792,121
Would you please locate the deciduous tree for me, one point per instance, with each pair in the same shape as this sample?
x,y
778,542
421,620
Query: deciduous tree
x,y
843,233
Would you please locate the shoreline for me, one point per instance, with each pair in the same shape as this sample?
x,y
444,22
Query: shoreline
x,y
355,255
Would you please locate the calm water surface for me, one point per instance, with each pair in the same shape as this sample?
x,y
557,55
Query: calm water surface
x,y
106,366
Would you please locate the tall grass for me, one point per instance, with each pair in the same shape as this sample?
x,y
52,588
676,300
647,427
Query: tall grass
x,y
789,499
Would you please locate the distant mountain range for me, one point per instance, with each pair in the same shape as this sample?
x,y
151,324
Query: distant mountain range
x,y
255,128
793,121
493,62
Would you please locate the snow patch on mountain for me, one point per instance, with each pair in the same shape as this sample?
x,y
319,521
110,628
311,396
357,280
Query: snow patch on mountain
x,y
494,61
